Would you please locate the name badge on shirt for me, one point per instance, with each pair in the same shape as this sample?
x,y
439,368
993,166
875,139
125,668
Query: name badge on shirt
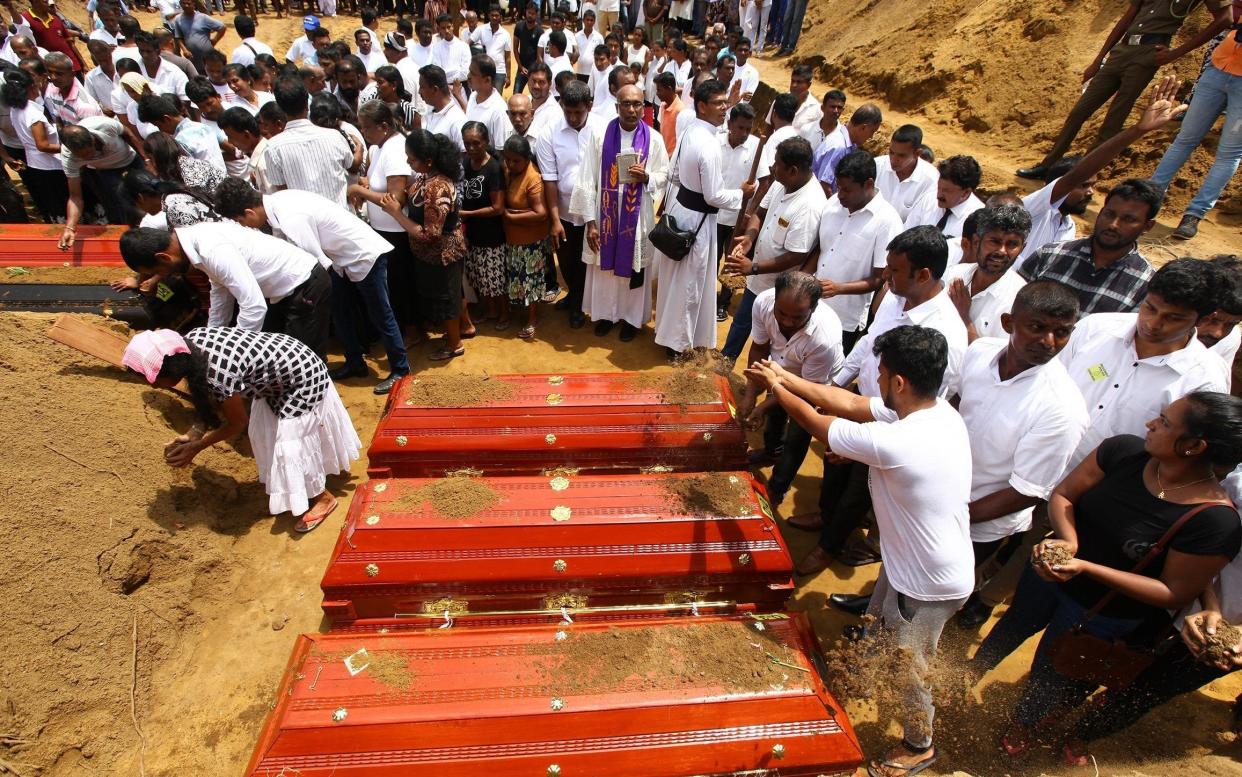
x,y
783,222
1097,372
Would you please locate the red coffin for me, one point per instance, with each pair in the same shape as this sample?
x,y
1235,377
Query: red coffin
x,y
34,245
579,542
507,701
602,422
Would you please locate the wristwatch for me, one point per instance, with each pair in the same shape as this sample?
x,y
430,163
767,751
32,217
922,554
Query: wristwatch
x,y
754,267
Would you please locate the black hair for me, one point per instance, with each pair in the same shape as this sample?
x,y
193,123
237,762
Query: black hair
x,y
192,368
238,120
244,25
785,106
1006,218
153,107
244,72
601,50
1228,269
923,247
144,38
795,152
378,113
562,80
442,18
575,95
433,76
614,77
329,53
667,80
516,144
215,55
739,111
917,353
16,85
321,32
130,26
557,38
1138,190
802,285
424,25
803,73
479,127
961,170
271,112
268,61
235,196
744,41
1048,298
925,151
834,94
725,57
611,37
326,111
486,66
166,154
393,75
291,96
858,166
705,91
908,133
443,153
588,12
867,114
970,224
75,137
1060,168
540,67
1188,283
351,63
1216,419
369,15
679,44
139,245
405,27
127,65
139,182
199,88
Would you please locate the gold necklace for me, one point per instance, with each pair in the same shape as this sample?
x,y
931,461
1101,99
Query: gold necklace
x,y
1160,493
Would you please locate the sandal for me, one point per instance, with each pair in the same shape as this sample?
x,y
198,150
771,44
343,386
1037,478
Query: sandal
x,y
443,354
884,768
527,333
473,333
501,324
310,519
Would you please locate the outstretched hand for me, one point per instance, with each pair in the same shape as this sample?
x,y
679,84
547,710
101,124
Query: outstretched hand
x,y
1162,105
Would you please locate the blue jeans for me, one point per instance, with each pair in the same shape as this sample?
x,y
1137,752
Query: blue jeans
x,y
1038,604
793,23
739,330
1215,91
371,293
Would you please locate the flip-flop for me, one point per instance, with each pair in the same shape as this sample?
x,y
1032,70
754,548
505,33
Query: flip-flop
x,y
527,333
444,354
907,771
303,525
470,335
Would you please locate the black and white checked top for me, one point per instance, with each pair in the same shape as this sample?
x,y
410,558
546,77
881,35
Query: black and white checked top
x,y
276,368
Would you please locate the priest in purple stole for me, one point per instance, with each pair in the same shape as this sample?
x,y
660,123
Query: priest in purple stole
x,y
617,200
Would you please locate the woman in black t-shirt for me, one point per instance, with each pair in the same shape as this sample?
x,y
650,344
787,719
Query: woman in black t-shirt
x,y
482,205
1107,513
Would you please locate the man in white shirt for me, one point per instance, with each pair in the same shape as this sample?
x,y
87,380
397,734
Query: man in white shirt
x,y
420,49
737,152
165,77
394,49
585,41
352,251
444,115
904,178
984,290
101,79
241,129
485,105
451,53
555,59
559,154
833,106
854,234
303,49
251,46
544,110
1219,331
781,117
955,200
790,327
745,76
372,56
1130,366
304,156
557,24
809,112
618,77
918,452
274,286
782,231
499,46
96,151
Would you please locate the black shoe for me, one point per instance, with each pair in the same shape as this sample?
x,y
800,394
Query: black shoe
x,y
628,332
673,356
561,304
722,315
385,385
1187,229
974,613
854,605
602,327
347,371
576,320
1035,173
784,52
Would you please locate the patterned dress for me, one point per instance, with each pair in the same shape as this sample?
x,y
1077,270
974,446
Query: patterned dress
x,y
273,367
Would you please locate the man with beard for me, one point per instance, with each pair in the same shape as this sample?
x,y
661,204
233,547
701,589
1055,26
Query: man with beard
x,y
544,110
984,290
955,200
351,76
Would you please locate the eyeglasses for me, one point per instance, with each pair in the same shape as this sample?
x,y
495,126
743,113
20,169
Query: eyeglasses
x,y
631,104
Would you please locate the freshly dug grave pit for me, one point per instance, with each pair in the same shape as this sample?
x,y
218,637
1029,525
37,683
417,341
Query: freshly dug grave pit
x,y
1054,555
452,497
713,493
735,656
1221,644
456,391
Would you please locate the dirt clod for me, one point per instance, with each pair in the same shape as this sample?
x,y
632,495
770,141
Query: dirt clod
x,y
1220,645
456,391
714,493
1054,555
451,497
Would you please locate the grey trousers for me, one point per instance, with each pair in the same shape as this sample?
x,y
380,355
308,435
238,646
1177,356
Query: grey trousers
x,y
915,625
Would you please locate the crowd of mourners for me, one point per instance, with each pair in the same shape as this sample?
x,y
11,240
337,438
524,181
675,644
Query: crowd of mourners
x,y
1011,412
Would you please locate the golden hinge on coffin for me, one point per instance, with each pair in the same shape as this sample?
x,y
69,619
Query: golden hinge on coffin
x,y
566,601
683,597
448,604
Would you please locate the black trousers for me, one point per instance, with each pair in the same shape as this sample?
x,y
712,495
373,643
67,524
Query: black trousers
x,y
105,185
724,235
306,313
844,500
569,257
786,434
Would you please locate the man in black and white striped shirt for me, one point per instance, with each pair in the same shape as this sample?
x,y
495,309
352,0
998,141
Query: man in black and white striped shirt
x,y
304,156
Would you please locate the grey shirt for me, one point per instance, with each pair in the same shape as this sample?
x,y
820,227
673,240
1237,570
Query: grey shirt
x,y
115,154
195,34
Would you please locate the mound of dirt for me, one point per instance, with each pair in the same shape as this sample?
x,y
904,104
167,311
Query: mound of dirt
x,y
456,391
713,493
451,497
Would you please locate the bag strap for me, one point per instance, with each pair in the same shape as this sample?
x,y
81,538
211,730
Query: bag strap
x,y
668,186
1151,555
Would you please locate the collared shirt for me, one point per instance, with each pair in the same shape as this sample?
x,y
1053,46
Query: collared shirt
x,y
1048,223
571,42
422,55
1165,16
769,149
496,42
302,52
453,56
790,226
813,353
736,161
828,153
920,490
246,266
1022,430
1117,288
200,142
71,108
258,168
493,113
559,153
929,213
310,158
447,122
1122,391
749,77
115,155
168,79
851,246
557,65
100,85
987,306
374,59
905,195
937,313
815,134
336,237
544,118
126,52
806,120
585,44
597,82
99,33
248,50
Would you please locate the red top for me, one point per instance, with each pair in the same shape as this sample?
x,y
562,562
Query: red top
x,y
53,35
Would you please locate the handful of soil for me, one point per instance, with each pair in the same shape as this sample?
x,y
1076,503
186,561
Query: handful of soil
x,y
451,497
1054,555
1219,646
691,381
714,493
456,391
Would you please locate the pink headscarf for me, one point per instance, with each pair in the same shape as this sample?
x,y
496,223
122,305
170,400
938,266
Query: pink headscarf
x,y
145,353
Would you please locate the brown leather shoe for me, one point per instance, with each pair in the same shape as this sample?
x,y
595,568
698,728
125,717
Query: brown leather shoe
x,y
806,521
814,562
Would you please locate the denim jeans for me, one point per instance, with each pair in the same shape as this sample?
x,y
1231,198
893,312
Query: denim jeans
x,y
372,293
739,330
793,23
1215,91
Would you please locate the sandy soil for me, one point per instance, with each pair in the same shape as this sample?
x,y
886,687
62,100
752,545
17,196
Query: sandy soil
x,y
130,584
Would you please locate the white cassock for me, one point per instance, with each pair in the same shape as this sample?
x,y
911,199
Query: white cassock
x,y
607,296
686,295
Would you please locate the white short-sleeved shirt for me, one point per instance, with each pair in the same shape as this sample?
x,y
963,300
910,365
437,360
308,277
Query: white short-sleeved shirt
x,y
493,113
168,79
806,120
1048,224
248,50
447,122
386,160
813,353
571,42
1227,350
769,150
301,51
987,306
736,162
920,489
585,45
559,152
851,246
334,235
905,195
1022,430
24,119
1122,391
791,226
496,42
749,77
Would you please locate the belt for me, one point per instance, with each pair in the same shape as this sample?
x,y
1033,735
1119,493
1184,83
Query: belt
x,y
694,201
1148,39
318,273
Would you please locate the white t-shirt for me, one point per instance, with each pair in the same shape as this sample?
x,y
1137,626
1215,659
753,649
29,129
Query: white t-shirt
x,y
493,114
987,306
497,43
814,352
585,45
571,43
302,51
791,226
386,160
749,77
851,246
920,491
769,150
24,119
248,50
735,167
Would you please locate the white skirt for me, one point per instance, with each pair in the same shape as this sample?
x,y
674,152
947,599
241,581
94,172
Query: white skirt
x,y
295,455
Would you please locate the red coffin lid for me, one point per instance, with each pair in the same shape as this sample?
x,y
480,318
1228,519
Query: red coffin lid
x,y
516,702
35,245
577,541
600,421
